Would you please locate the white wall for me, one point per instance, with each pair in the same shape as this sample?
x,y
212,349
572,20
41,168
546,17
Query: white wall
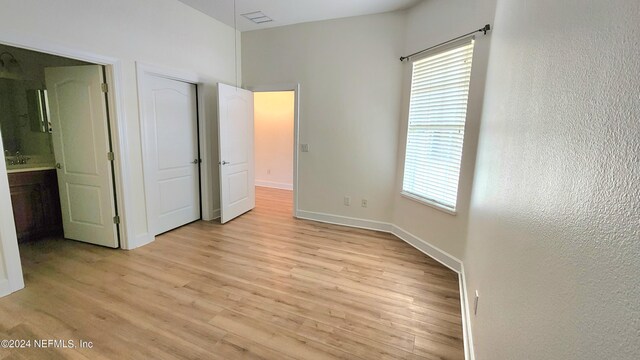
x,y
350,86
554,233
429,23
165,33
273,121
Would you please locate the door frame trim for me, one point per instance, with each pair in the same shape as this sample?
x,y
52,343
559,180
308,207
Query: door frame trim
x,y
113,72
193,78
295,87
9,252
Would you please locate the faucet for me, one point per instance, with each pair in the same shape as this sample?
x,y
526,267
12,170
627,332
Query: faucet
x,y
20,159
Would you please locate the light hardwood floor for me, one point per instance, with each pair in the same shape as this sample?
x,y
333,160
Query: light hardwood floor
x,y
265,286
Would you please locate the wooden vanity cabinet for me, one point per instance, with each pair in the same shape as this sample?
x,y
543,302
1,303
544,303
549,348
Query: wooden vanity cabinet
x,y
36,204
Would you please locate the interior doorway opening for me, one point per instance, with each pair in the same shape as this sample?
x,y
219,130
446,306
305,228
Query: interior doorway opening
x,y
57,147
58,154
278,143
276,119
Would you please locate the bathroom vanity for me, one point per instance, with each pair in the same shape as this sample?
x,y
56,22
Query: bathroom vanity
x,y
36,203
28,155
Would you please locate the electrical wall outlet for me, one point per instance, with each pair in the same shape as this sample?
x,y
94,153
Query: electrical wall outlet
x,y
347,201
364,203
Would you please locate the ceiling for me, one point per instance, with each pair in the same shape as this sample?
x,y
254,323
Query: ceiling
x,y
287,12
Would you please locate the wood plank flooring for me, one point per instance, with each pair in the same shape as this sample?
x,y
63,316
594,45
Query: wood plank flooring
x,y
265,286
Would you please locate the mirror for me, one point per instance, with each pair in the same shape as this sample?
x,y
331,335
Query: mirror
x,y
24,117
38,110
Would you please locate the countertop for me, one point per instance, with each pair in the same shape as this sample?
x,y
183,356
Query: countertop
x,y
12,169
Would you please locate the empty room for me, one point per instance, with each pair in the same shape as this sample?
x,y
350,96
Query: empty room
x,y
320,179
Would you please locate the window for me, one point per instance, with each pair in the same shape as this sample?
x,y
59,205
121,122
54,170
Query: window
x,y
437,114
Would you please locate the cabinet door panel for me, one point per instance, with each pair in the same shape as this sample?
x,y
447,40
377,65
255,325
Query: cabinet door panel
x,y
22,209
36,204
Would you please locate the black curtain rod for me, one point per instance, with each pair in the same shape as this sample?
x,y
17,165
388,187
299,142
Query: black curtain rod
x,y
482,30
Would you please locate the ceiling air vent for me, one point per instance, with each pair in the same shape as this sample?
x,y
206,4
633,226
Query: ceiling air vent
x,y
257,17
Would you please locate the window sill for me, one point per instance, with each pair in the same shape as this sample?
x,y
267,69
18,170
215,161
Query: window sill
x,y
424,201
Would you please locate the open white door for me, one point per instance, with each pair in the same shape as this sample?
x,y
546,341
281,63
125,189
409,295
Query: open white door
x,y
78,110
172,162
235,132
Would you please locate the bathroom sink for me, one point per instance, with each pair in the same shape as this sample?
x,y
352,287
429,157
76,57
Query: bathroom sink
x,y
34,163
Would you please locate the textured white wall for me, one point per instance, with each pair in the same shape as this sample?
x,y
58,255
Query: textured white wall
x,y
429,23
164,33
273,121
350,86
554,233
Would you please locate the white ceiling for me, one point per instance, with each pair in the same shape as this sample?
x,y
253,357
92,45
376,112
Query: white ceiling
x,y
287,12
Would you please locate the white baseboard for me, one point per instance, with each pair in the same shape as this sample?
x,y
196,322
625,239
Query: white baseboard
x,y
434,252
344,220
466,317
441,256
422,245
274,185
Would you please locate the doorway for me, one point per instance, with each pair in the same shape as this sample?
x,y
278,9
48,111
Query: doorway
x,y
236,139
20,62
277,106
274,132
57,147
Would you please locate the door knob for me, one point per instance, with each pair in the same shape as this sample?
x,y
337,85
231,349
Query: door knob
x,y
58,166
196,161
224,162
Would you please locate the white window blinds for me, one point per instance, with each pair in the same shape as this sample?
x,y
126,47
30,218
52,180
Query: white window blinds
x,y
437,114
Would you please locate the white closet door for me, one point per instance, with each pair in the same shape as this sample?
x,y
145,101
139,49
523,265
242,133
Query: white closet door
x,y
172,166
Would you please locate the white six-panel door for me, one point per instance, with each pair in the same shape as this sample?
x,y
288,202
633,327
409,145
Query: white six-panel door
x,y
80,133
171,152
235,132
